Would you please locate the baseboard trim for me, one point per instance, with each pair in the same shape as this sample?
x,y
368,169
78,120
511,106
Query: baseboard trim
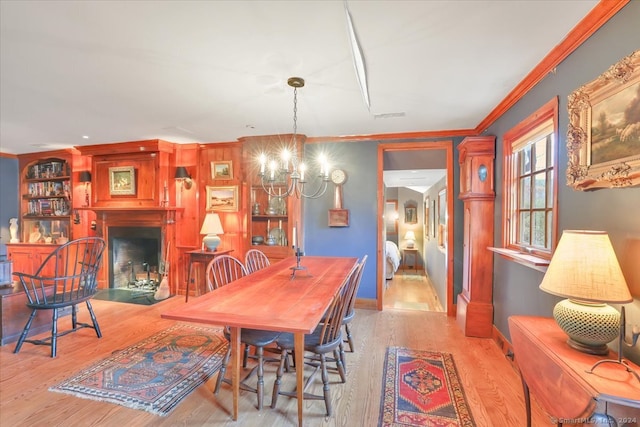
x,y
505,346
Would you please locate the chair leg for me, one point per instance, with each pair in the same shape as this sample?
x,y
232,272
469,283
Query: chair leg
x,y
246,356
340,366
93,319
54,333
25,332
74,317
349,337
223,370
343,357
276,384
260,385
325,383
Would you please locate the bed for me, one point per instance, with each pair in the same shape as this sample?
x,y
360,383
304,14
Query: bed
x,y
392,259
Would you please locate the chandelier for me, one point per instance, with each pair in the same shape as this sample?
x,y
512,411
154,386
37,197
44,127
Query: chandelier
x,y
287,175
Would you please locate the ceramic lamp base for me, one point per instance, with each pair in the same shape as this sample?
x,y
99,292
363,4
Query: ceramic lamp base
x,y
211,242
589,326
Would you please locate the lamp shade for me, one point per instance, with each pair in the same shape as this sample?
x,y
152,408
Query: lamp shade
x,y
181,172
211,227
410,237
85,176
584,267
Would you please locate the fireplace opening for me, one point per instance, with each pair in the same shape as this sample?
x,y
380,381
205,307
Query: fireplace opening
x,y
134,257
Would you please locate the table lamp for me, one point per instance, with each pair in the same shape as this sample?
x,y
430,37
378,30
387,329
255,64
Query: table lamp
x,y
410,237
211,227
584,269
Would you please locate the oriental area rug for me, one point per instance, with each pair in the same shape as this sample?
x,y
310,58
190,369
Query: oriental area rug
x,y
422,388
155,374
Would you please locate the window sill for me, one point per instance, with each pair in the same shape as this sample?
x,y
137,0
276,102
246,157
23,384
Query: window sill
x,y
527,260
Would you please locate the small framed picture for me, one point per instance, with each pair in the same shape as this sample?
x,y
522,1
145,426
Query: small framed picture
x,y
122,181
338,217
222,170
222,198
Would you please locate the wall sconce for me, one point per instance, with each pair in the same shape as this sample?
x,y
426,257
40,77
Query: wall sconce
x,y
85,177
183,176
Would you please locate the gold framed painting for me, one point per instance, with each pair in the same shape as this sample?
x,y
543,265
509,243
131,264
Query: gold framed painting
x,y
222,198
222,169
603,136
122,180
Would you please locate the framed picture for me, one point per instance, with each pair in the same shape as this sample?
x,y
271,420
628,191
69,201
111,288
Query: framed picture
x,y
222,170
391,216
222,198
338,217
442,218
410,212
426,218
432,221
122,181
603,136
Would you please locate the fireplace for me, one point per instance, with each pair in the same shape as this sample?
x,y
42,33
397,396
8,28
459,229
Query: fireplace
x,y
134,257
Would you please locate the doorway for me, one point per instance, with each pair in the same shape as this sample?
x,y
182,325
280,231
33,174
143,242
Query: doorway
x,y
445,231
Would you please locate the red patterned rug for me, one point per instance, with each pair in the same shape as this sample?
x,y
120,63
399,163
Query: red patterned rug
x,y
155,374
421,388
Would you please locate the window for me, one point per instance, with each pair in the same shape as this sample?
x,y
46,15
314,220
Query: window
x,y
530,183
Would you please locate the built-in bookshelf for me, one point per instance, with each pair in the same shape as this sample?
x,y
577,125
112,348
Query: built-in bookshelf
x,y
46,201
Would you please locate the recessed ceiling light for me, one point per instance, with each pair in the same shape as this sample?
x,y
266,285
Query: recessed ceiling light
x,y
85,136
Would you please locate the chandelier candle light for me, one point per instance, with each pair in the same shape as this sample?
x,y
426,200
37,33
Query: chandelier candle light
x,y
288,170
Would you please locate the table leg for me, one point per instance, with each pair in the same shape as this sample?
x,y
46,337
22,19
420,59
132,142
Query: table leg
x,y
235,371
527,400
299,359
186,299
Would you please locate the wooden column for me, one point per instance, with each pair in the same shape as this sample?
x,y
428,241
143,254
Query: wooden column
x,y
475,302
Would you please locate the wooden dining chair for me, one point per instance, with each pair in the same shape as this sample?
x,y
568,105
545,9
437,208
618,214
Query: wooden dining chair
x,y
66,278
255,260
324,340
351,312
221,271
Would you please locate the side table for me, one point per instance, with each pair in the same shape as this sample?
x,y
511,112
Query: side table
x,y
557,375
410,252
200,257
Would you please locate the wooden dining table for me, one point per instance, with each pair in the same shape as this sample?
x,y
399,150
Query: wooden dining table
x,y
275,300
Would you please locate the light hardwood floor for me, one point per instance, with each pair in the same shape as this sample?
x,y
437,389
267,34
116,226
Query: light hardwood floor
x,y
411,290
491,384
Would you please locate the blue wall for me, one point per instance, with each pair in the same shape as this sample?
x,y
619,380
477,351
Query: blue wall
x,y
9,201
616,211
359,160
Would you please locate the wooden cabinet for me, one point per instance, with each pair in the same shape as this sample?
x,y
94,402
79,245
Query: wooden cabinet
x,y
475,302
277,220
26,257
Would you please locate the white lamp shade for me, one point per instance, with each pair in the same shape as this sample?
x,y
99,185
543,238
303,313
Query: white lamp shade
x,y
211,224
211,227
410,237
584,267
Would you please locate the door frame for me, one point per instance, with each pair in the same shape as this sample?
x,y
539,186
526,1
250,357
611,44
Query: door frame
x,y
446,145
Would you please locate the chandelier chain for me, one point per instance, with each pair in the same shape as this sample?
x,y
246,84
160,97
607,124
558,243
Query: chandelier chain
x,y
295,113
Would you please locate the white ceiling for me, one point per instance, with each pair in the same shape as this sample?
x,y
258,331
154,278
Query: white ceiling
x,y
419,180
213,71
